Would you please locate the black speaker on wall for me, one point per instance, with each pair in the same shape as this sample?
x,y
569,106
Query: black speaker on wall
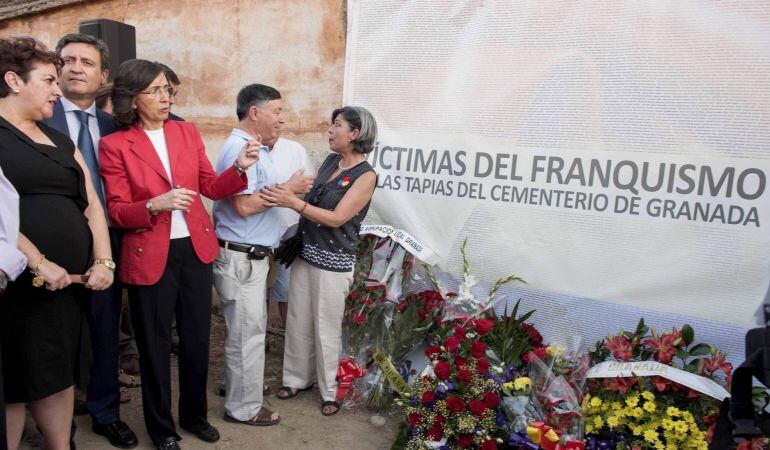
x,y
119,37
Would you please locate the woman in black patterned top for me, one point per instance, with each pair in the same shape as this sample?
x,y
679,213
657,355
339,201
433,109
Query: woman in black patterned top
x,y
321,276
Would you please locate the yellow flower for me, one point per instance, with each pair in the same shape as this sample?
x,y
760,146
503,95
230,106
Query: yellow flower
x,y
632,400
555,351
672,411
522,383
596,402
651,436
650,406
598,422
649,396
613,421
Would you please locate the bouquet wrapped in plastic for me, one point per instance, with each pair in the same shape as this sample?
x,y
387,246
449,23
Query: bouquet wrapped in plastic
x,y
558,378
381,324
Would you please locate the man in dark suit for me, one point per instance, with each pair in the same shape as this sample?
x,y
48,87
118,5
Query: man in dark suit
x,y
85,69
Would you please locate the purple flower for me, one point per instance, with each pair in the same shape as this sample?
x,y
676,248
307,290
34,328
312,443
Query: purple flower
x,y
500,419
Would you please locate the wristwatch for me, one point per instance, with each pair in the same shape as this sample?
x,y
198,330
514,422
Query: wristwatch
x,y
3,281
110,264
148,205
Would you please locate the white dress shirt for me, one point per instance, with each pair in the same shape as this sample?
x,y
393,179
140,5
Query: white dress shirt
x,y
178,221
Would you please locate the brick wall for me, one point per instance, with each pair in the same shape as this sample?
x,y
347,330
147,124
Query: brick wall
x,y
218,46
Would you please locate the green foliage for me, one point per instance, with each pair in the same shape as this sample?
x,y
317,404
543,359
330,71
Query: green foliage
x,y
508,339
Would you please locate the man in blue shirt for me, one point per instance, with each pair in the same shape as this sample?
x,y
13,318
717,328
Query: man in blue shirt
x,y
247,229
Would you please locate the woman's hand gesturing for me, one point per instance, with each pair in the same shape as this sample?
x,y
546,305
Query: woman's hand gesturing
x,y
177,199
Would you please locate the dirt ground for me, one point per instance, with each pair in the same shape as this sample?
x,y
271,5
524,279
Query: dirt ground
x,y
302,426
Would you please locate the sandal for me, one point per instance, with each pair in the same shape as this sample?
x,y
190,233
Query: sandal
x,y
127,380
336,406
291,392
263,419
125,397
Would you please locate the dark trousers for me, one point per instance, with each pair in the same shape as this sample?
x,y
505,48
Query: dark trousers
x,y
103,393
184,290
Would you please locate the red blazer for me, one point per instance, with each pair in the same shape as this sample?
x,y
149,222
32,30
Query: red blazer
x,y
133,174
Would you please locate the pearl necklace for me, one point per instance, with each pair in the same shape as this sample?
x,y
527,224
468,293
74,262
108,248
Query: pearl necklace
x,y
339,164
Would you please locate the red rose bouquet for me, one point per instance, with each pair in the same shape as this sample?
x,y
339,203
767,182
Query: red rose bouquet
x,y
455,405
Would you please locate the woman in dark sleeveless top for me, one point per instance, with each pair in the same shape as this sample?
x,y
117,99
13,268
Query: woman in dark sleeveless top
x,y
321,276
63,231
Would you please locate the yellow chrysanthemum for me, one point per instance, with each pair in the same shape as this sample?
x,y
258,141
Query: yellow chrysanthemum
x,y
632,400
598,422
595,402
613,422
522,383
672,411
651,436
649,396
650,406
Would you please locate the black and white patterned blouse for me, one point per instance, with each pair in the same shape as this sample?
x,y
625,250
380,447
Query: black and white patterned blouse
x,y
332,249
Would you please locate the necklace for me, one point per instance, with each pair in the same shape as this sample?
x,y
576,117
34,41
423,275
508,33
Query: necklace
x,y
339,164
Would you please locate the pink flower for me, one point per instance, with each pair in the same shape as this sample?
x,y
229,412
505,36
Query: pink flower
x,y
620,347
359,319
619,384
717,362
665,345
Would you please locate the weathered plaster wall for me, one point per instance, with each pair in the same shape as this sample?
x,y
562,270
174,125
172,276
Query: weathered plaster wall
x,y
218,46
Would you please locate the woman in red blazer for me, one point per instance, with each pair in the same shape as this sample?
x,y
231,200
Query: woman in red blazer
x,y
154,170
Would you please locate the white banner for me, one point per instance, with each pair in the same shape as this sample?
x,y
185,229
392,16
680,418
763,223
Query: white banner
x,y
412,245
615,154
613,369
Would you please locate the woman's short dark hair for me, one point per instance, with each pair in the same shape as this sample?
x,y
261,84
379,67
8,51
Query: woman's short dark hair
x,y
133,76
362,120
19,54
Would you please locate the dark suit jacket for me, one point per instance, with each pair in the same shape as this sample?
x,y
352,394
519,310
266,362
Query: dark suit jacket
x,y
59,122
133,174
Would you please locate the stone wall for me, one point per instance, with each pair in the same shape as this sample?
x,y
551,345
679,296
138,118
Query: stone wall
x,y
218,46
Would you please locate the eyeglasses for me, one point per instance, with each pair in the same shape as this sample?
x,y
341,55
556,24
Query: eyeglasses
x,y
157,91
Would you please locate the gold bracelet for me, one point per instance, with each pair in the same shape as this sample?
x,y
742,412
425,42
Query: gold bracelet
x,y
303,208
106,262
38,281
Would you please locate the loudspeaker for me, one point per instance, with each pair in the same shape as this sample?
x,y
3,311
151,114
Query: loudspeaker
x,y
119,37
